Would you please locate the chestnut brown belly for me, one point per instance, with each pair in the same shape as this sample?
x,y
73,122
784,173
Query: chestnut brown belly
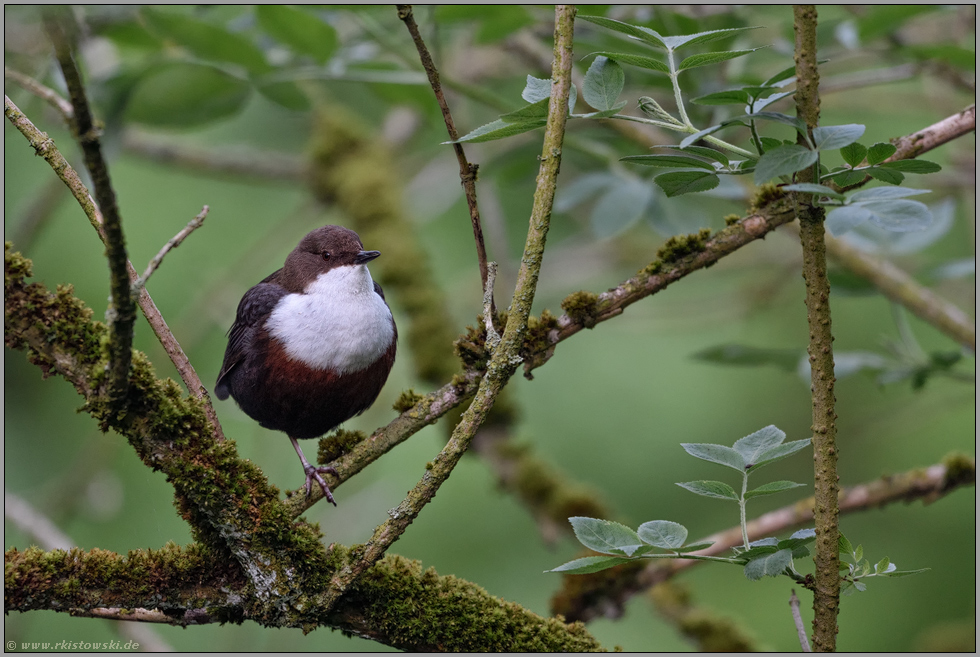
x,y
286,395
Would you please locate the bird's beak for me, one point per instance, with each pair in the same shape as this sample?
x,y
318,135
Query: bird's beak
x,y
366,256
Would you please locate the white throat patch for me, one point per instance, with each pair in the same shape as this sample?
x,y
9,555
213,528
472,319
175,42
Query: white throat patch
x,y
340,323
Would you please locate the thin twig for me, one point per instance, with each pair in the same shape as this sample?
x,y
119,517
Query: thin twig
x,y
493,338
46,94
505,358
467,171
794,607
826,592
59,25
46,148
172,243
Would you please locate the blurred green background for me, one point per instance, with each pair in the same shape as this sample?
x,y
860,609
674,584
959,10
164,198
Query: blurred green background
x,y
611,407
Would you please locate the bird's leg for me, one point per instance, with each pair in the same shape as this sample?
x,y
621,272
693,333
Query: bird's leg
x,y
314,473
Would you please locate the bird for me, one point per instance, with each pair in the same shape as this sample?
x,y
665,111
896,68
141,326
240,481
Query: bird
x,y
312,344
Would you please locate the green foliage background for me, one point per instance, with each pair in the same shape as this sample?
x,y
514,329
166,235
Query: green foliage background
x,y
613,405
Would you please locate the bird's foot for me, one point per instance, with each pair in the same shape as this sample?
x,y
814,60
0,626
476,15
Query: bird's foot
x,y
313,473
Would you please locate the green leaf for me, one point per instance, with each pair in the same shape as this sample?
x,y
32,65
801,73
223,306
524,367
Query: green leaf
x,y
635,60
676,183
612,111
606,536
810,188
532,112
737,354
706,152
762,103
772,565
832,137
884,566
285,93
783,161
642,33
704,59
889,176
913,166
207,41
498,129
650,107
904,573
695,547
536,89
716,489
716,454
778,453
587,565
701,134
773,487
754,445
899,215
858,554
784,74
663,534
841,220
670,161
768,143
882,193
880,152
303,32
675,42
853,154
603,83
778,117
620,207
848,178
844,546
730,97
186,94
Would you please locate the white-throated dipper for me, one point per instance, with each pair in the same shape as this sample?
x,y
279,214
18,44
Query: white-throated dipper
x,y
312,344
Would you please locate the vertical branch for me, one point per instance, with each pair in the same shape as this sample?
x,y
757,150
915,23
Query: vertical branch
x,y
467,171
60,26
506,357
826,598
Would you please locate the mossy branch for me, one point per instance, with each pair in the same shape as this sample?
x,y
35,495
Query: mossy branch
x,y
826,598
46,148
395,603
584,597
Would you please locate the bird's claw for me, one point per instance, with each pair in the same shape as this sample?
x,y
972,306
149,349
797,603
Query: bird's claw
x,y
314,473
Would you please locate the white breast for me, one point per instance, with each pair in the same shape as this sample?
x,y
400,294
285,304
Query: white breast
x,y
340,323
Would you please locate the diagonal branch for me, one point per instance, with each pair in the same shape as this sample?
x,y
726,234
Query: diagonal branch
x,y
504,359
46,148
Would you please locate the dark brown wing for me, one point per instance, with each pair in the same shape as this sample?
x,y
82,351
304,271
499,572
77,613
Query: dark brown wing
x,y
253,309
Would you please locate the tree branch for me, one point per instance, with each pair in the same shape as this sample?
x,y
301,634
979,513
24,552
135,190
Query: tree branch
x,y
46,148
43,92
826,594
59,27
504,360
903,289
585,597
467,171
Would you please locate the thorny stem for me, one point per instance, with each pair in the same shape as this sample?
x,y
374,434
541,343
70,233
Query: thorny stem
x,y
505,358
467,171
826,597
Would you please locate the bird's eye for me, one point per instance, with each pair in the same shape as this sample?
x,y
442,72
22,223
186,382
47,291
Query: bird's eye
x,y
325,255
